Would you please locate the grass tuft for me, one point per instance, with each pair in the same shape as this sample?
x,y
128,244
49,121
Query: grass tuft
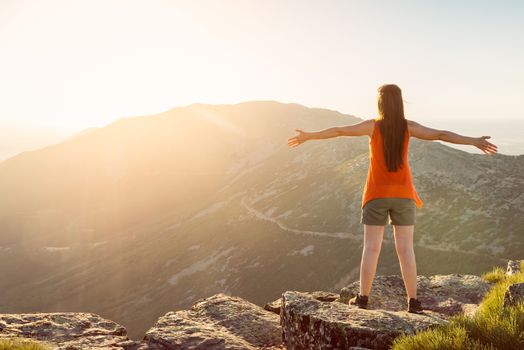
x,y
495,275
492,327
18,343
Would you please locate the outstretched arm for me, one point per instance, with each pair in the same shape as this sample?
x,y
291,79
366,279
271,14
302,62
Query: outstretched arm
x,y
358,129
424,133
323,134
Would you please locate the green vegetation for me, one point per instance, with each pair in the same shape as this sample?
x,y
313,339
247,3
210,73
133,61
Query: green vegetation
x,y
21,344
496,275
492,327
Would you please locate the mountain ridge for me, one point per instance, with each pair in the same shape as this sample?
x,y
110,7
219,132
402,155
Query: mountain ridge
x,y
212,198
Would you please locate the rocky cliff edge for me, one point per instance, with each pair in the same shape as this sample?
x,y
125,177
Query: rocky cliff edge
x,y
297,320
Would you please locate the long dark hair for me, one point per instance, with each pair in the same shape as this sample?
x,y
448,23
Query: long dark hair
x,y
392,124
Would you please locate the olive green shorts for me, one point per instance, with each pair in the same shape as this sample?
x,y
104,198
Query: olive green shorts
x,y
401,211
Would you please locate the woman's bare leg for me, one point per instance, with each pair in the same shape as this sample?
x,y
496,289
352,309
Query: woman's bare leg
x,y
373,235
406,257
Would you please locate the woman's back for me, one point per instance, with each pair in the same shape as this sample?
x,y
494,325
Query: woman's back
x,y
382,183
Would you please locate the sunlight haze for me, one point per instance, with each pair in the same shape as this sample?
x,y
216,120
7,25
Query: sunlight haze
x,y
173,173
79,64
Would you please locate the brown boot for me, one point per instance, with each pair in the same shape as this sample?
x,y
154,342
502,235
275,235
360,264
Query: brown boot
x,y
414,306
360,301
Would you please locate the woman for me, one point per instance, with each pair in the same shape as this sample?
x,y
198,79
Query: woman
x,y
389,190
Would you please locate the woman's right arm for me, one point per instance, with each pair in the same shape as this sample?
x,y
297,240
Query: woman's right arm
x,y
424,133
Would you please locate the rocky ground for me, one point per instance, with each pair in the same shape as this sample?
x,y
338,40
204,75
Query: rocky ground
x,y
297,320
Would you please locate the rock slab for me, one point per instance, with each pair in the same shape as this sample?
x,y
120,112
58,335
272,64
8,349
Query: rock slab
x,y
514,294
218,322
68,330
513,267
308,323
446,295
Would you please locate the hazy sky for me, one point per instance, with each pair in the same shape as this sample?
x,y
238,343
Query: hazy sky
x,y
77,64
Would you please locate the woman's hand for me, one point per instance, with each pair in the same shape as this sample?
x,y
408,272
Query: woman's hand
x,y
484,145
297,140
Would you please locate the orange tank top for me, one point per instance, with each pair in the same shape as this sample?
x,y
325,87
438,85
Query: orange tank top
x,y
383,184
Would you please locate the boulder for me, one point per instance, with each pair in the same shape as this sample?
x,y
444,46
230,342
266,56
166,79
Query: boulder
x,y
308,323
513,267
514,294
68,330
274,306
446,295
218,322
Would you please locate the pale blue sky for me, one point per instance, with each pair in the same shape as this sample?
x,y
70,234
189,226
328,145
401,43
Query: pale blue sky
x,y
76,64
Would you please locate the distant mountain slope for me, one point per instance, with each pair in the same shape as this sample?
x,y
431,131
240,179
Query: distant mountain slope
x,y
150,213
17,137
82,133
